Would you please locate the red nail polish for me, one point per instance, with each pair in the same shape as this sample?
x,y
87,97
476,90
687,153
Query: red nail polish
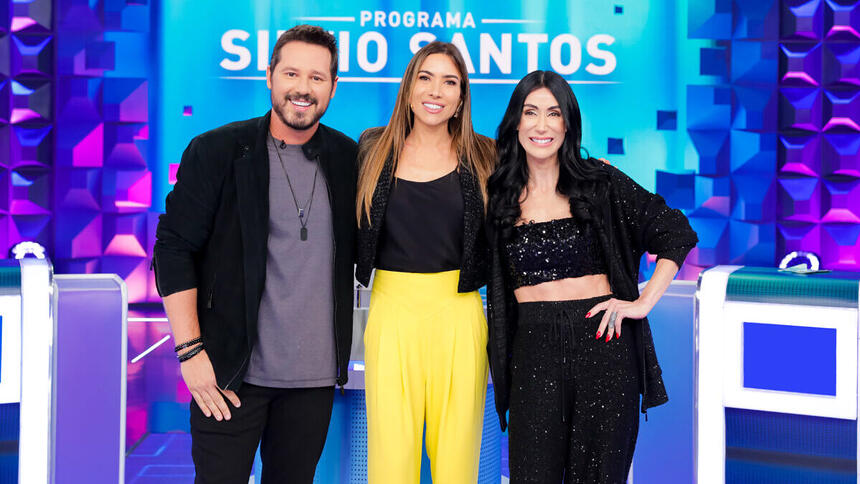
x,y
588,314
598,335
608,337
617,335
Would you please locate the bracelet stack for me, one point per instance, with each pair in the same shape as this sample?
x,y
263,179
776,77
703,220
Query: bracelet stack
x,y
196,343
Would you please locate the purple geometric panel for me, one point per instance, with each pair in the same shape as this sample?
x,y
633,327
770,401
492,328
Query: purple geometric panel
x,y
31,101
756,19
712,248
841,111
679,189
36,228
800,64
713,197
4,193
841,65
713,149
756,107
800,109
800,155
755,197
78,234
126,191
125,100
78,99
5,135
753,152
710,20
31,191
4,27
125,145
29,146
5,51
840,247
713,62
840,155
841,201
5,101
151,225
134,270
80,144
100,55
76,266
5,232
31,16
83,54
801,20
32,55
78,188
709,107
78,16
126,15
800,199
798,236
125,235
754,61
752,243
841,22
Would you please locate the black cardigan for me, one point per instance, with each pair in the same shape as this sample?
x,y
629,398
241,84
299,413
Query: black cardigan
x,y
473,268
214,232
631,220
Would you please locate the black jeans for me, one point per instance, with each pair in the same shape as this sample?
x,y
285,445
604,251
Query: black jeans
x,y
291,422
574,399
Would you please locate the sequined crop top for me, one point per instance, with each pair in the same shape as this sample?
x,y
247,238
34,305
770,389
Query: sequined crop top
x,y
548,251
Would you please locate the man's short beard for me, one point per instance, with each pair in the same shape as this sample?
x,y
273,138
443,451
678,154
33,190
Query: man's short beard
x,y
298,126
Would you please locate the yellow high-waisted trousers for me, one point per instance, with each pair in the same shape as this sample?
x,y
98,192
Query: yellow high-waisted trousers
x,y
425,363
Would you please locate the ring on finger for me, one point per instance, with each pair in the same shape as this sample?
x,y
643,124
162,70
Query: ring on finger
x,y
612,318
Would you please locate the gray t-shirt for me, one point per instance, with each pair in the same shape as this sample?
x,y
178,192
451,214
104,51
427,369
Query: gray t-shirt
x,y
295,346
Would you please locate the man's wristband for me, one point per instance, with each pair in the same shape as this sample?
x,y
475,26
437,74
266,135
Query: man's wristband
x,y
191,354
187,344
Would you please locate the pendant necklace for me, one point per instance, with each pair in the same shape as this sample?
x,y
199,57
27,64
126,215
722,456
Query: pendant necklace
x,y
303,212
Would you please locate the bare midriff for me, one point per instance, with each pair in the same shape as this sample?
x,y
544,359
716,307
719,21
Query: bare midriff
x,y
571,288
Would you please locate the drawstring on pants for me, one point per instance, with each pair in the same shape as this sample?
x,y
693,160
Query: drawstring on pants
x,y
562,329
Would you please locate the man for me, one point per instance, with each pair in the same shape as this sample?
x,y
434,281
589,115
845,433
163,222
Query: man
x,y
253,259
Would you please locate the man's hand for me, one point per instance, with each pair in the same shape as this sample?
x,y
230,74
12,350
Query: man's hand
x,y
200,378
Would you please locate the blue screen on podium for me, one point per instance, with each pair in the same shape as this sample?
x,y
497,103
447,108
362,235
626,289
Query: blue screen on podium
x,y
798,359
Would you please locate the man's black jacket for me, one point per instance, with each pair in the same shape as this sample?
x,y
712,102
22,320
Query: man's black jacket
x,y
214,233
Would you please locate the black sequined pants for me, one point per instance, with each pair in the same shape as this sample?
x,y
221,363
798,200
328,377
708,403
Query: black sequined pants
x,y
574,399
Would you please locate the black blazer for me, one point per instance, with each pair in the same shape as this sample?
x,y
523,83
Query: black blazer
x,y
473,268
214,234
630,221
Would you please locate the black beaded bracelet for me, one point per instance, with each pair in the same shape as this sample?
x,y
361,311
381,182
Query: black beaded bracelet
x,y
187,344
191,354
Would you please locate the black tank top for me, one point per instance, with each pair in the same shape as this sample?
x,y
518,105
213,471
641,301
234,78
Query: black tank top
x,y
548,251
423,228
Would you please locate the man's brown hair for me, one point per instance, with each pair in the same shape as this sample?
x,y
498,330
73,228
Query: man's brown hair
x,y
309,34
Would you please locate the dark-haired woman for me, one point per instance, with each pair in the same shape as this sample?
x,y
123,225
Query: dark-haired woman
x,y
570,346
421,216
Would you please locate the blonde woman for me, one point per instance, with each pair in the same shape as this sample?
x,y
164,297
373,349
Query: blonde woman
x,y
420,209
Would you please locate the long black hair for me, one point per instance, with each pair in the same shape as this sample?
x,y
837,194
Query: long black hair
x,y
581,178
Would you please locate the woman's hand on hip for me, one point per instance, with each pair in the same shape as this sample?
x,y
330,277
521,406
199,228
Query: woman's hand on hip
x,y
615,312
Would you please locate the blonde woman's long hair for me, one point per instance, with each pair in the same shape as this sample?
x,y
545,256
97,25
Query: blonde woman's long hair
x,y
478,152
